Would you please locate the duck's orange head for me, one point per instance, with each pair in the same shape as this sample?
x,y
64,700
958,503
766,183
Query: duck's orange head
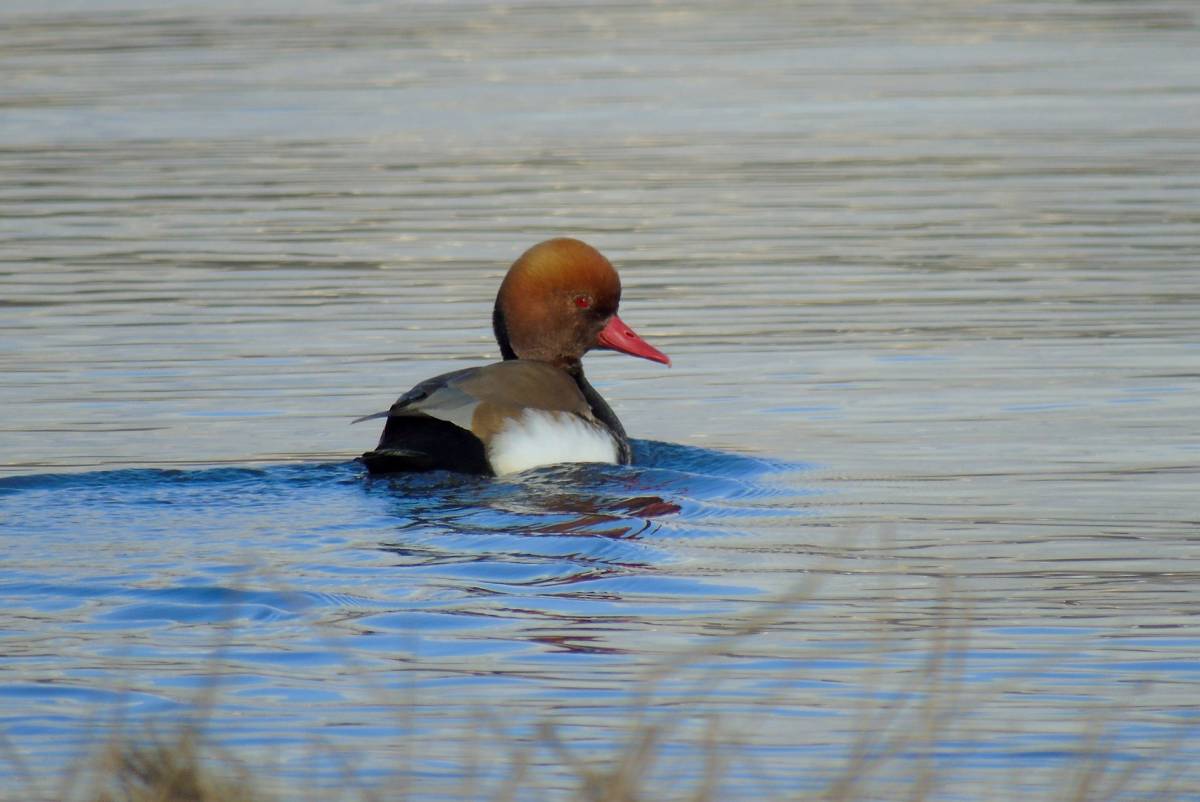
x,y
558,301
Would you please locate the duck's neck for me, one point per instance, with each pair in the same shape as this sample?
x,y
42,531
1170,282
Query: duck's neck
x,y
540,354
500,329
574,369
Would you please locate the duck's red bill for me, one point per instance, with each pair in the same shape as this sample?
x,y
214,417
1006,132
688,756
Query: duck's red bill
x,y
617,336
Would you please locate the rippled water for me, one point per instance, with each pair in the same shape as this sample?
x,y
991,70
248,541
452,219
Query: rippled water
x,y
930,278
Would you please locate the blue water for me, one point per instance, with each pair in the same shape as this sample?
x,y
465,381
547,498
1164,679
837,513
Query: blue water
x,y
306,615
299,587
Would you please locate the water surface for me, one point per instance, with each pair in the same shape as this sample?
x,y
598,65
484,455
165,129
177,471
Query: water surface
x,y
928,275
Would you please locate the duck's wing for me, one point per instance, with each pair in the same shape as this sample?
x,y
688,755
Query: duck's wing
x,y
404,404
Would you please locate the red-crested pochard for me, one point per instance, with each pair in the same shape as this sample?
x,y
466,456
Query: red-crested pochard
x,y
557,302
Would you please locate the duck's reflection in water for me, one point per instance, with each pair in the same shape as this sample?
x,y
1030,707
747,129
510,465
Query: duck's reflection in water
x,y
553,527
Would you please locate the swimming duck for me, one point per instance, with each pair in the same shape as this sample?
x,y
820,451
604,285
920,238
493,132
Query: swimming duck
x,y
557,302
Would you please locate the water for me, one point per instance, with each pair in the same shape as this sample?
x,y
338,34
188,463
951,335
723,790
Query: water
x,y
928,275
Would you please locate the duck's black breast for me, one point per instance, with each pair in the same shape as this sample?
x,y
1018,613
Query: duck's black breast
x,y
606,416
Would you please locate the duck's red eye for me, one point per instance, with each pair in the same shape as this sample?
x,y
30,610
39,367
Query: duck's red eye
x,y
583,301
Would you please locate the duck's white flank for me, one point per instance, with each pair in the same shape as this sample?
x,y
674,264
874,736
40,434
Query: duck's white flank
x,y
541,437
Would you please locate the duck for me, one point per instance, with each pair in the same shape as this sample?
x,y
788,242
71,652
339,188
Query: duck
x,y
535,407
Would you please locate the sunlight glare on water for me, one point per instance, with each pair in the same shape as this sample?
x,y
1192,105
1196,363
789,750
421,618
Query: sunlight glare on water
x,y
928,277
